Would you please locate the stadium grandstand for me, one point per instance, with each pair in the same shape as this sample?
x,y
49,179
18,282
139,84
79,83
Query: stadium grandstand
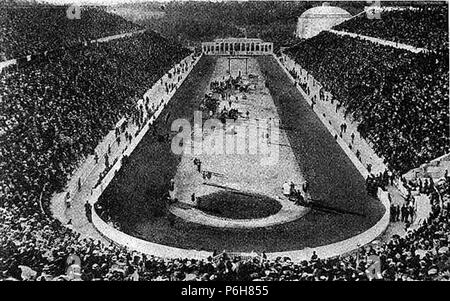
x,y
424,27
22,31
91,188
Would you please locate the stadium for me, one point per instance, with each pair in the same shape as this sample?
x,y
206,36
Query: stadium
x,y
203,141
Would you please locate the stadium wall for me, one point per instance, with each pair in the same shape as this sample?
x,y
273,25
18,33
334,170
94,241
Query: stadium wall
x,y
325,251
435,169
324,110
143,246
118,237
367,154
88,167
344,246
114,235
369,235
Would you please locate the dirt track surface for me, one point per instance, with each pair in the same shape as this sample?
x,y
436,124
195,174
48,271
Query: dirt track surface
x,y
334,181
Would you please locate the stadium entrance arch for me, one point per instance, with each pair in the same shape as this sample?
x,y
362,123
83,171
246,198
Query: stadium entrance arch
x,y
237,46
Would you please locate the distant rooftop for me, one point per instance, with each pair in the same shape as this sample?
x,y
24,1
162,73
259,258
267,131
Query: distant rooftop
x,y
325,10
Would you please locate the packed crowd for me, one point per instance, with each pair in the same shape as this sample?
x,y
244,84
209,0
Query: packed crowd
x,y
32,29
36,248
53,114
425,26
381,180
388,91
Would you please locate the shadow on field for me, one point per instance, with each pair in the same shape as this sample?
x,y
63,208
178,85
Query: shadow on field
x,y
134,195
137,191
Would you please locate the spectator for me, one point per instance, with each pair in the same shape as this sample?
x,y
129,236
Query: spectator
x,y
33,29
424,26
385,91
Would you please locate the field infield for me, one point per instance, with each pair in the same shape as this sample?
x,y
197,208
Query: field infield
x,y
307,152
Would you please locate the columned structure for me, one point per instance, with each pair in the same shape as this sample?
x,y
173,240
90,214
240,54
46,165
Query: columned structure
x,y
237,46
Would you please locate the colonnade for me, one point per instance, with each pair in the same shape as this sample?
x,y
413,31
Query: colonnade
x,y
237,46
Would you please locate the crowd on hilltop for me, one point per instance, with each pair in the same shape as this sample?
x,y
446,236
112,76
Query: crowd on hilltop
x,y
425,26
33,29
399,99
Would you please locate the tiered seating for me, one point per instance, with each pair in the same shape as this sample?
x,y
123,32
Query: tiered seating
x,y
35,242
55,113
32,29
399,98
424,27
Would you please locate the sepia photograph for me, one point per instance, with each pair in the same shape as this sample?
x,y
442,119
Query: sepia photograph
x,y
211,144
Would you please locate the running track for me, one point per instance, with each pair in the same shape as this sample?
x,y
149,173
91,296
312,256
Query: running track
x,y
333,179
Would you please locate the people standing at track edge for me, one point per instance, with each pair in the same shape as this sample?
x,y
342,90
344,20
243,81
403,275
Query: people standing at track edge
x,y
307,195
292,188
286,189
172,185
305,187
88,211
198,163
